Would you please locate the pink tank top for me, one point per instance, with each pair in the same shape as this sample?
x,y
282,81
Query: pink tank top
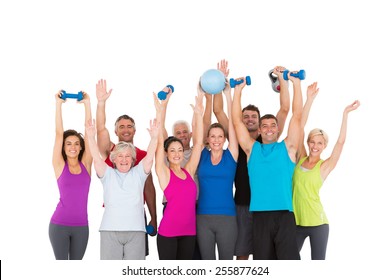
x,y
179,215
74,188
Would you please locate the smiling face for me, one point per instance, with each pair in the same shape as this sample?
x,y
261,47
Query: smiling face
x,y
216,138
175,152
123,156
182,132
269,130
72,146
123,160
251,120
125,130
316,145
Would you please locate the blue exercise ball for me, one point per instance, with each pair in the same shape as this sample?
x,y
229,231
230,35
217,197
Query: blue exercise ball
x,y
212,81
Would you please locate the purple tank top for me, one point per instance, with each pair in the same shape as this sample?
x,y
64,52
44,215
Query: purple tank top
x,y
74,188
179,215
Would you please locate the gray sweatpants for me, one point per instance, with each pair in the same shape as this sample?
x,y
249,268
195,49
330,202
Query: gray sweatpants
x,y
220,230
69,243
122,245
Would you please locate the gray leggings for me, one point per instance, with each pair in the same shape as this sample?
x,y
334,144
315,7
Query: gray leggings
x,y
318,240
69,243
220,230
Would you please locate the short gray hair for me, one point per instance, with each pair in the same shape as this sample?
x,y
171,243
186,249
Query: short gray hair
x,y
180,122
120,147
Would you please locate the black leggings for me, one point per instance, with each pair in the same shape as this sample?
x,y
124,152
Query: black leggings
x,y
175,248
69,243
318,240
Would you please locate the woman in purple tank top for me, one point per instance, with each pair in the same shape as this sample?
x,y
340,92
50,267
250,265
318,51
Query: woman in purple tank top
x,y
177,231
72,161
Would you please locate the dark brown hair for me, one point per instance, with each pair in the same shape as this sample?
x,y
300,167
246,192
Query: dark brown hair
x,y
72,132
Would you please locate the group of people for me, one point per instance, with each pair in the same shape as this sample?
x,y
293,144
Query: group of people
x,y
258,196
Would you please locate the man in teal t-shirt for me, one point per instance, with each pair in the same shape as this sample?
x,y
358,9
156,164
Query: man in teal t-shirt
x,y
270,168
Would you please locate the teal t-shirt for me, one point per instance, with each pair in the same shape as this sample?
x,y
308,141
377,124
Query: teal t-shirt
x,y
270,172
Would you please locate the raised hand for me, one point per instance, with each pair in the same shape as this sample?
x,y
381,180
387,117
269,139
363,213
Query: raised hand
x,y
352,106
90,128
153,128
223,67
58,97
198,108
312,90
101,90
85,99
278,71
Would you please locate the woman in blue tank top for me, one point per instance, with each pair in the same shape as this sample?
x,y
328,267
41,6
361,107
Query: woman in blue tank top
x,y
216,213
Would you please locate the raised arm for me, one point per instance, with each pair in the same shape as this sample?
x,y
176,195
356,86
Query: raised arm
x,y
329,164
147,161
87,157
311,94
197,137
103,136
233,142
98,162
284,95
206,116
58,161
219,113
243,136
149,189
294,128
161,168
164,105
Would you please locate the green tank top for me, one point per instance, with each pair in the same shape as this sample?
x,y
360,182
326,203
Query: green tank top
x,y
307,205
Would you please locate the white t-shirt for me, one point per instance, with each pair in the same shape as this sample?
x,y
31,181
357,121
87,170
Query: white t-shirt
x,y
123,195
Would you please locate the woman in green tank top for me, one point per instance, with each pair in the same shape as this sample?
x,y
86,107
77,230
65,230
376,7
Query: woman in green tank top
x,y
309,175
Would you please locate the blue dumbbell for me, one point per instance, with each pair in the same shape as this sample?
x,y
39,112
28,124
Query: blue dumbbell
x,y
162,95
150,230
78,96
301,74
233,82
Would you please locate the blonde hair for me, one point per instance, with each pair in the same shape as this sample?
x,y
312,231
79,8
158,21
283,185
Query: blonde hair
x,y
318,131
120,147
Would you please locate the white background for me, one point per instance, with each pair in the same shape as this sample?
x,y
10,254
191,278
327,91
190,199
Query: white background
x,y
141,46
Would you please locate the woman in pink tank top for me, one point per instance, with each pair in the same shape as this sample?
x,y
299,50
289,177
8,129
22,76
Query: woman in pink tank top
x,y
177,231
